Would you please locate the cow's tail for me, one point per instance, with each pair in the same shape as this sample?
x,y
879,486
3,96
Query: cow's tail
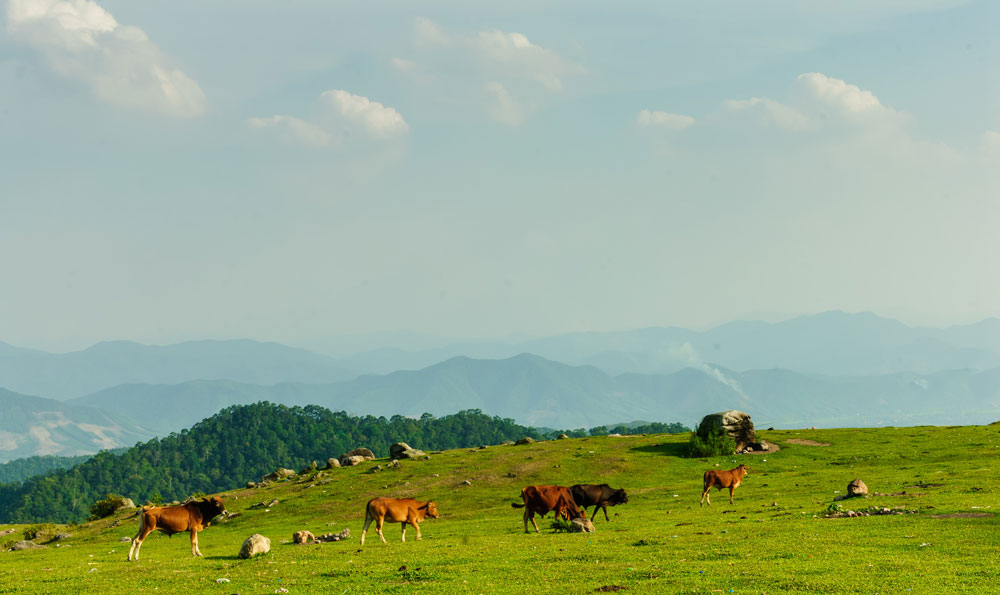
x,y
142,524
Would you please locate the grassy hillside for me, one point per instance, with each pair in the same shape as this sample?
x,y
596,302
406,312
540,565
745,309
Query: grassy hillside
x,y
774,540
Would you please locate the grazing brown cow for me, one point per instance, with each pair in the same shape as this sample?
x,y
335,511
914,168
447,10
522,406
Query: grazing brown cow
x,y
397,510
598,496
193,516
723,479
545,499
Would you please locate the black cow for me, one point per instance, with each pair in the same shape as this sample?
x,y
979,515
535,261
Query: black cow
x,y
598,496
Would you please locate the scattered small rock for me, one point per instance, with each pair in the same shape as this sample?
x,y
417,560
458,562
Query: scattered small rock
x,y
582,526
562,437
303,537
124,539
857,488
273,502
525,440
26,545
332,463
466,483
334,536
375,469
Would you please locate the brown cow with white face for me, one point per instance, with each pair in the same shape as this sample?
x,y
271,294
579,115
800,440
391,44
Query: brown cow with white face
x,y
722,479
397,510
193,517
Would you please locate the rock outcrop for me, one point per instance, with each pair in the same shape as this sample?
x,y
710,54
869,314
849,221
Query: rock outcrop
x,y
735,423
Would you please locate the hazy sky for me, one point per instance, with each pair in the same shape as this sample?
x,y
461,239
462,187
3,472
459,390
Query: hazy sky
x,y
291,170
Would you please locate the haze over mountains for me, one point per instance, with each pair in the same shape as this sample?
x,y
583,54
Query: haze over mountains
x,y
832,369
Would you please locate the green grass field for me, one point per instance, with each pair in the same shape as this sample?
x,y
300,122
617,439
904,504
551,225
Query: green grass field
x,y
775,539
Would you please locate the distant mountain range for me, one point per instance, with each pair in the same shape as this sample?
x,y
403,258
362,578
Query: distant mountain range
x,y
104,365
538,392
32,426
831,369
833,343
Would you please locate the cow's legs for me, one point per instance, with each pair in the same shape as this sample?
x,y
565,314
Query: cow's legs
x,y
537,530
404,530
605,509
137,541
731,490
378,529
368,521
705,496
417,527
194,543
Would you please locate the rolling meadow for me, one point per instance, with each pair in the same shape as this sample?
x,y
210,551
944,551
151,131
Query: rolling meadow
x,y
776,538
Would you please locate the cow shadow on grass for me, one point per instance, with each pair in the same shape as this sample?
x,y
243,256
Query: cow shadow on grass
x,y
672,449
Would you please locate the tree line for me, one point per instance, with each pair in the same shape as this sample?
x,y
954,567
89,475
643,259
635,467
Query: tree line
x,y
242,443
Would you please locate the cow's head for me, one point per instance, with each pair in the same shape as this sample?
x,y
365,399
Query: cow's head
x,y
213,507
742,470
568,510
431,508
619,497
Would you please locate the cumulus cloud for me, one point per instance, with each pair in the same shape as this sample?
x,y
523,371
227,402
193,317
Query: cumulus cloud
x,y
524,71
82,40
770,112
647,118
818,102
341,111
377,119
505,108
839,95
294,130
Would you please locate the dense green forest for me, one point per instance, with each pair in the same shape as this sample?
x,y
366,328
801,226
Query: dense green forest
x,y
21,469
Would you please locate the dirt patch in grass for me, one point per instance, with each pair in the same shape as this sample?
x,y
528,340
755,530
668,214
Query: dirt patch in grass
x,y
610,588
961,515
805,442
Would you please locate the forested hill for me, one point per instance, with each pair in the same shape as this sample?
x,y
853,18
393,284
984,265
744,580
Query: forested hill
x,y
236,445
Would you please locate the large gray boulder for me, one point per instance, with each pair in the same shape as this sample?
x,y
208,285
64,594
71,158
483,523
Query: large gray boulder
x,y
735,423
254,545
360,452
402,450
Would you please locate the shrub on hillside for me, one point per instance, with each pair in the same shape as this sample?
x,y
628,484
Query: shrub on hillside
x,y
106,507
715,443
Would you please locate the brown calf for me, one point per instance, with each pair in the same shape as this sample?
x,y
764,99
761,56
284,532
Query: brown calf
x,y
193,517
545,499
723,479
397,510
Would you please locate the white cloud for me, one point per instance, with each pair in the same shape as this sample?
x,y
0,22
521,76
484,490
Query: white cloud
x,y
403,65
339,111
294,130
837,93
375,118
991,142
505,108
663,119
83,41
770,112
429,33
524,71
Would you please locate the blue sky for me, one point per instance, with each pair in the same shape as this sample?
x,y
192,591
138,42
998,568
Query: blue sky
x,y
289,171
